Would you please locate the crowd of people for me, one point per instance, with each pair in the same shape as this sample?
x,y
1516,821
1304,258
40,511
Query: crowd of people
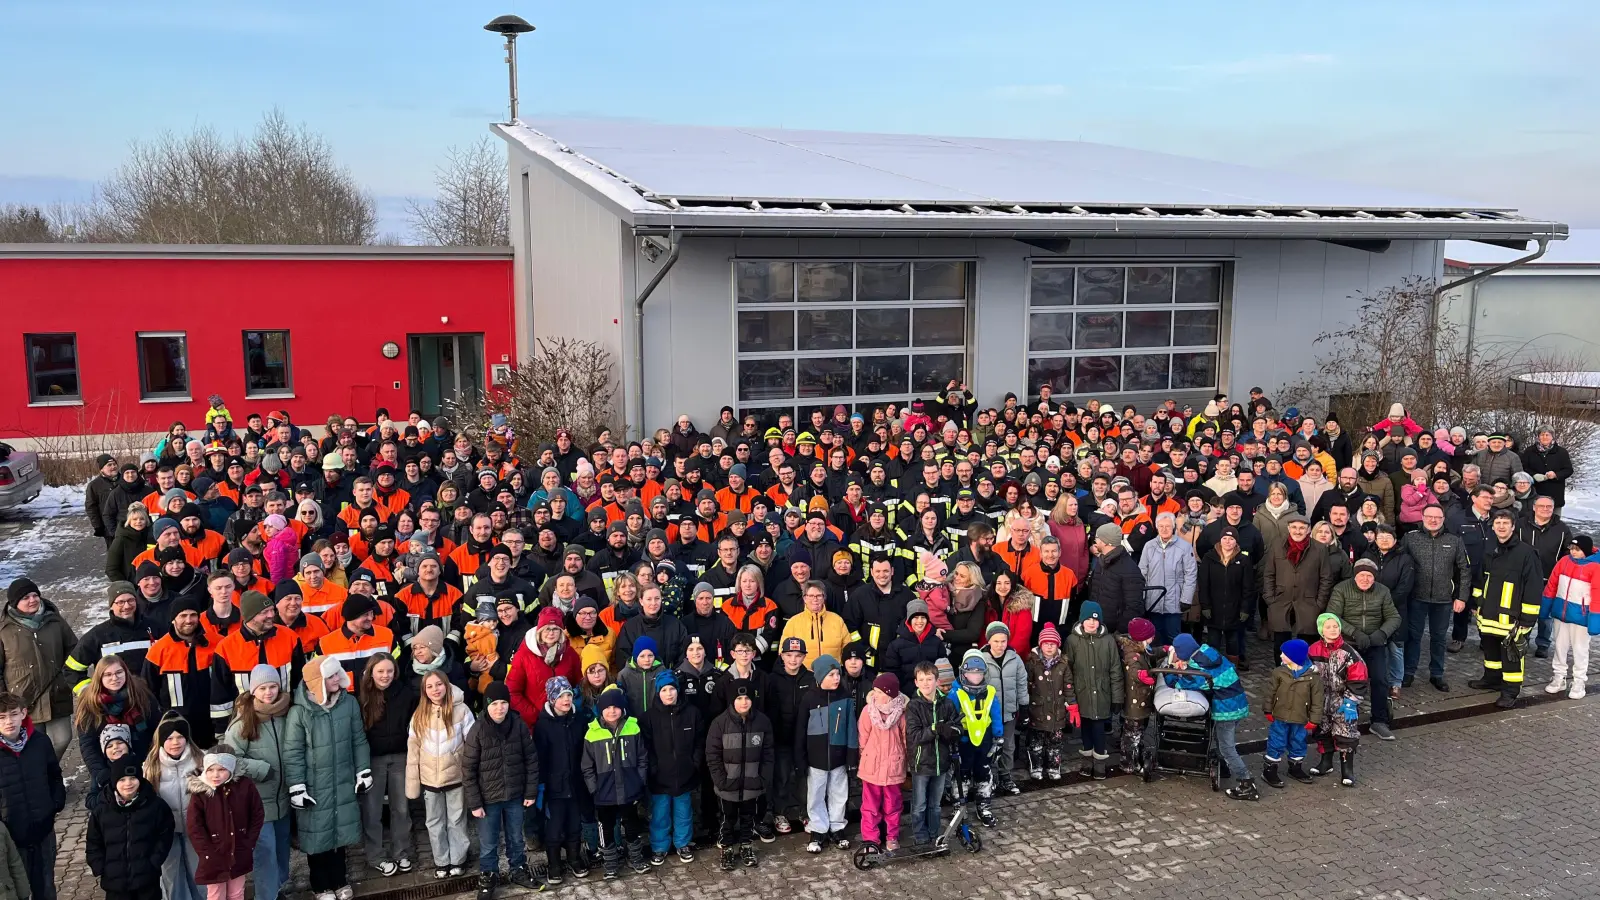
x,y
631,650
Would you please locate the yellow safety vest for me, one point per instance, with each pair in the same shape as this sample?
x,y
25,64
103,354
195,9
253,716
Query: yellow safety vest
x,y
978,720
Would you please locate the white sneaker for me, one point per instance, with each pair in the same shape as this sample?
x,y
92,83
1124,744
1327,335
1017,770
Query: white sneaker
x,y
1556,687
326,895
345,893
1577,692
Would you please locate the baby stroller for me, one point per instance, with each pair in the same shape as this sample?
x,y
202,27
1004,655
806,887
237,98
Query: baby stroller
x,y
1185,735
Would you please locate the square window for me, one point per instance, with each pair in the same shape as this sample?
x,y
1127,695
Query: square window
x,y
1094,374
163,365
1145,371
1099,331
823,329
883,375
1150,284
1150,328
52,367
1194,370
825,377
1195,327
766,379
766,331
1051,286
266,363
1199,284
822,282
939,281
883,282
933,371
1100,285
877,328
939,327
1050,331
764,282
1056,372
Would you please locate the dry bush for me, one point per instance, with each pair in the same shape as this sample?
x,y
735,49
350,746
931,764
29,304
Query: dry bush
x,y
568,383
77,434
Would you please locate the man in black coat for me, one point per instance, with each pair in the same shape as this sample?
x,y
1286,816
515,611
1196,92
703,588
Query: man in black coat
x,y
1550,466
32,793
1116,582
103,519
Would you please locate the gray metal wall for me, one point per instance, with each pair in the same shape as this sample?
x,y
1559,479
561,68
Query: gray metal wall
x,y
1550,313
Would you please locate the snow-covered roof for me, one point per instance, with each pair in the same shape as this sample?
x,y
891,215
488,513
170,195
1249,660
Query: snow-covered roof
x,y
774,180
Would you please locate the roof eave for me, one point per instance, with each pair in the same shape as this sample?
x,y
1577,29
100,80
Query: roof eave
x,y
248,251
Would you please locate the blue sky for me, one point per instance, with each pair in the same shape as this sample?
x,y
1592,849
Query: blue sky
x,y
1482,100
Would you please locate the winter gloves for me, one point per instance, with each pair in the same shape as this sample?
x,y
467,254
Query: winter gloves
x,y
299,799
1349,709
363,781
1072,715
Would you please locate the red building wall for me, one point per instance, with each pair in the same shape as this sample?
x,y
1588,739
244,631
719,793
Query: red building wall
x,y
339,311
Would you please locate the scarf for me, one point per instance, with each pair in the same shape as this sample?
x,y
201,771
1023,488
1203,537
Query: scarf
x,y
1051,661
274,709
885,717
15,744
422,668
32,623
965,600
1297,550
1277,512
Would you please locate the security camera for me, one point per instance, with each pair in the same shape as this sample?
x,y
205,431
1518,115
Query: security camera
x,y
652,248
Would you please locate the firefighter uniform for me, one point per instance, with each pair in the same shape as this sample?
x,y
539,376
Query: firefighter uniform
x,y
352,650
182,680
114,637
242,651
422,610
1508,603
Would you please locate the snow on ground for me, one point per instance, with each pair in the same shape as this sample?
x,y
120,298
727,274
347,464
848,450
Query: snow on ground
x,y
48,540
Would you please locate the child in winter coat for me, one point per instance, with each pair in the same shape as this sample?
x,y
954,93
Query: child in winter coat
x,y
130,832
116,745
482,638
882,734
1344,683
637,679
1008,674
1228,703
615,766
224,821
740,754
172,762
981,726
1292,707
673,729
1097,685
933,590
1048,711
558,743
826,743
500,776
13,873
433,769
933,725
1138,688
1572,599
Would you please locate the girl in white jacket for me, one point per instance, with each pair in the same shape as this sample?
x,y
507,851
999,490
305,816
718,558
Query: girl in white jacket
x,y
173,759
433,770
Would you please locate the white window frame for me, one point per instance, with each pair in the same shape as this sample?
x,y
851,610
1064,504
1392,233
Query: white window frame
x,y
145,394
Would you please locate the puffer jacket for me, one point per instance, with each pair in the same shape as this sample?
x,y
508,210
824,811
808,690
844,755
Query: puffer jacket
x,y
882,733
1572,594
1228,700
433,753
558,742
676,748
827,737
1170,565
615,762
125,548
127,845
1498,466
33,662
1369,617
261,761
498,762
1047,691
932,729
223,824
1444,573
907,649
740,755
1295,697
1009,675
325,748
1138,695
1097,680
31,789
1118,586
1227,590
1397,571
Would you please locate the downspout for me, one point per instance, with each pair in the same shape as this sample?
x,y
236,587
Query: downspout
x,y
1433,319
638,333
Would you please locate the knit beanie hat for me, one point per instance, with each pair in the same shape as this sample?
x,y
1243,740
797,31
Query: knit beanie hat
x,y
496,690
995,628
432,638
1141,629
593,653
642,644
916,608
1185,646
611,697
264,674
1110,533
889,683
310,561
555,686
116,731
20,588
1297,651
1048,634
1324,618
170,725
823,667
251,603
218,758
702,586
665,680
1089,610
551,616
972,661
118,588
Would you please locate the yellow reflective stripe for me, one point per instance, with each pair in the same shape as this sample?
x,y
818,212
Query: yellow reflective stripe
x,y
74,665
1512,677
1505,595
855,636
1491,664
79,686
1530,609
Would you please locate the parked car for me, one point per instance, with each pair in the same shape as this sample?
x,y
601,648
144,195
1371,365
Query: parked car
x,y
20,477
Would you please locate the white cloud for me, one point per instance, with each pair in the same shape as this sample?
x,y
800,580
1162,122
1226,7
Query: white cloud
x,y
1028,91
1257,65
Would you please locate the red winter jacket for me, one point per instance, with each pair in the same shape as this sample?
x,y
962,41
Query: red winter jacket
x,y
224,823
529,672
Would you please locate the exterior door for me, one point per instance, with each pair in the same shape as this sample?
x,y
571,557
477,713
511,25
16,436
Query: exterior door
x,y
445,368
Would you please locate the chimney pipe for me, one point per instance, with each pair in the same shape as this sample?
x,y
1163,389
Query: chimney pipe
x,y
510,27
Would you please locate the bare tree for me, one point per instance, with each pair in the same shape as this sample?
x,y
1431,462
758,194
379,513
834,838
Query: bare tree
x,y
1384,357
26,225
281,185
472,208
568,383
